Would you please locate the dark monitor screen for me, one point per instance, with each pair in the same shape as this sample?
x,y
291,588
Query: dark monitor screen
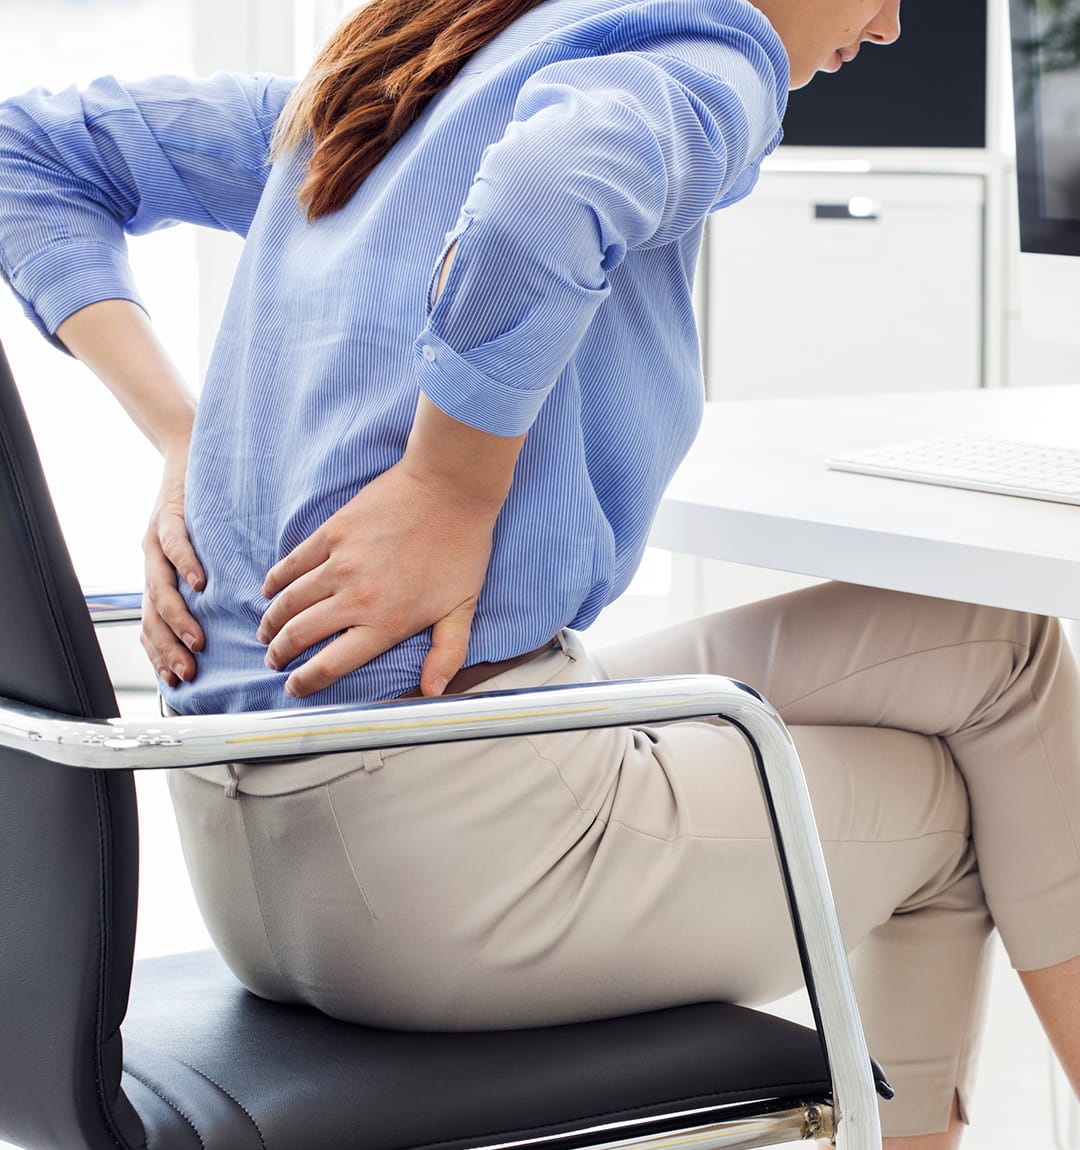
x,y
1046,89
928,90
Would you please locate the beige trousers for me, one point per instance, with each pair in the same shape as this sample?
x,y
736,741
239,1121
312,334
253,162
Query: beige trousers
x,y
569,876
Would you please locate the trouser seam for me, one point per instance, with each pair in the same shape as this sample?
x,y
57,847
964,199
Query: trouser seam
x,y
722,838
258,895
893,659
348,856
972,1016
1050,772
558,771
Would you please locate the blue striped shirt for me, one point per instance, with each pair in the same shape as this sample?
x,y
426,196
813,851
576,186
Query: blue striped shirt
x,y
574,158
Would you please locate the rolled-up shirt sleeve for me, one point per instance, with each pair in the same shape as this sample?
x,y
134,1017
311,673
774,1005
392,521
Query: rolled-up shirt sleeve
x,y
80,170
604,155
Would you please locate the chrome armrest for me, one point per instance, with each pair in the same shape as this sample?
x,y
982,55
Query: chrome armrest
x,y
184,741
196,740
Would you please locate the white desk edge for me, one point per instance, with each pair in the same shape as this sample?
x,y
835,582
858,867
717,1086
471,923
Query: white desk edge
x,y
754,490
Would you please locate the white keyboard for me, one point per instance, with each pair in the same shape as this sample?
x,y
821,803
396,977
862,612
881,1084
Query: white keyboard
x,y
974,462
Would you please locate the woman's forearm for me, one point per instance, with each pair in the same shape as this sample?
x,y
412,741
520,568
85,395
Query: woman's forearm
x,y
473,467
115,340
473,464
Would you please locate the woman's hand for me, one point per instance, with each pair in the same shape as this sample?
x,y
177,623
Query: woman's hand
x,y
402,555
170,634
410,551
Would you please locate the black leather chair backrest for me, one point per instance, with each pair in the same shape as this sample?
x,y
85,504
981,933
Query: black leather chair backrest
x,y
68,842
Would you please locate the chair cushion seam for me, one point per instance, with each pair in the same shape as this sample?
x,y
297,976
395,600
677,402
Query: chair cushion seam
x,y
718,1097
172,1105
230,1096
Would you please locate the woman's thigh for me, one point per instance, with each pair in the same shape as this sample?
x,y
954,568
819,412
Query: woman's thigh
x,y
999,687
580,874
891,811
843,654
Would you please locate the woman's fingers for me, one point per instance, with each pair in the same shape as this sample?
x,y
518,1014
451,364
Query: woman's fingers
x,y
162,672
449,647
302,629
297,598
305,557
168,603
357,646
173,662
170,633
174,542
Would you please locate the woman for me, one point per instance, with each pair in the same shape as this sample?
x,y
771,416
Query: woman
x,y
457,367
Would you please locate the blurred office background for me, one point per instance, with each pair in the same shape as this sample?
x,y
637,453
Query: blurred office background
x,y
887,217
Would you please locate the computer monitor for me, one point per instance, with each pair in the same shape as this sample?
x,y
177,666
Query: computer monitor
x,y
1046,91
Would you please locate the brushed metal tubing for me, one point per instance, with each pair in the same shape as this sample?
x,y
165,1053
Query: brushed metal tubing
x,y
183,741
196,740
744,1132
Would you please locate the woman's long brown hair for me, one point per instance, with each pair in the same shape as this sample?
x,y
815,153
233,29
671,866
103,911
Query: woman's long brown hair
x,y
373,79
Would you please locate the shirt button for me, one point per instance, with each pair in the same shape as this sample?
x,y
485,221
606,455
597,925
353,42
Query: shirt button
x,y
429,353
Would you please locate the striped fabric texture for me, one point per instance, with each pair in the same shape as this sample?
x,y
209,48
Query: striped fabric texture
x,y
575,159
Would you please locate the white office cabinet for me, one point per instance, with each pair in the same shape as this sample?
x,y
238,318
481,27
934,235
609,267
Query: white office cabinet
x,y
825,283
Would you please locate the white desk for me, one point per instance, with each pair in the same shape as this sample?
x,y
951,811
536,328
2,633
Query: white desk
x,y
754,489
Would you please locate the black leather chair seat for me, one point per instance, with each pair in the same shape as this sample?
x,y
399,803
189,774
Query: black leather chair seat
x,y
209,1066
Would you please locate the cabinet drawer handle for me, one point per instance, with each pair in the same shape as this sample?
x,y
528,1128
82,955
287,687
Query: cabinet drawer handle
x,y
859,209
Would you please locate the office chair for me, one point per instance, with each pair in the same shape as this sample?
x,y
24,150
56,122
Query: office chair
x,y
181,1057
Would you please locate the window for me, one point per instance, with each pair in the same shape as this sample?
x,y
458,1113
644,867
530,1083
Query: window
x,y
102,473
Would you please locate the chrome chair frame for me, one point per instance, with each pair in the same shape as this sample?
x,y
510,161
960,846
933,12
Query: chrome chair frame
x,y
850,1116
